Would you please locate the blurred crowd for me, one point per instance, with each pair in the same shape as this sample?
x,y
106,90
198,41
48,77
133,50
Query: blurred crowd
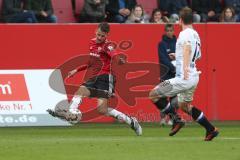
x,y
122,11
27,11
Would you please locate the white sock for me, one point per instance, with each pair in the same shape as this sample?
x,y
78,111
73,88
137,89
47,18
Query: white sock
x,y
121,117
76,101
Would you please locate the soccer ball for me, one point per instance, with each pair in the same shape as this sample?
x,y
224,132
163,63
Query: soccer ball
x,y
73,117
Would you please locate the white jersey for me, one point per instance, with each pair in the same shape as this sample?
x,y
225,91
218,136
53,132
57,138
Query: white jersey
x,y
189,36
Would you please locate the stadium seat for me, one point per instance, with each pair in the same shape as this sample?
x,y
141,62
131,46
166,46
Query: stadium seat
x,y
148,5
63,10
222,3
79,6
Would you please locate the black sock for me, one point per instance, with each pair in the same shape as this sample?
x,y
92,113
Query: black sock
x,y
174,107
161,103
198,116
171,112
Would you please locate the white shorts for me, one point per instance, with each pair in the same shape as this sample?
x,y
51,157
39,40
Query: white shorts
x,y
184,89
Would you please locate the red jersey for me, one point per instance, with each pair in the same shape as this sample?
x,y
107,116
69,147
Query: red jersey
x,y
100,57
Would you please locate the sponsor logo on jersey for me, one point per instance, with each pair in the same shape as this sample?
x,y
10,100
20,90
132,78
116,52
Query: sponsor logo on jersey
x,y
94,55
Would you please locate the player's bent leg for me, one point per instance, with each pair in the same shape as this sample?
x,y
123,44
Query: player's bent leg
x,y
169,109
102,106
131,121
158,97
121,117
174,101
71,112
77,99
198,116
178,123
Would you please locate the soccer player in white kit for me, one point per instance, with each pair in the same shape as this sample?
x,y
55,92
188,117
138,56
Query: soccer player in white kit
x,y
187,76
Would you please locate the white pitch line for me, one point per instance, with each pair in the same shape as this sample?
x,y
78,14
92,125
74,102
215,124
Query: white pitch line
x,y
119,139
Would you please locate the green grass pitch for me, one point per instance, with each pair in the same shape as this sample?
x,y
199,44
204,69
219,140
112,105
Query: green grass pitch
x,y
118,142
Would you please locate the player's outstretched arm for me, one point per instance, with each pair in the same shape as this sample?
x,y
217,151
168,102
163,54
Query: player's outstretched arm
x,y
73,72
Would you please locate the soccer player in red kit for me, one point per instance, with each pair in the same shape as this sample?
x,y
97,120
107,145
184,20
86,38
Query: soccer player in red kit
x,y
102,80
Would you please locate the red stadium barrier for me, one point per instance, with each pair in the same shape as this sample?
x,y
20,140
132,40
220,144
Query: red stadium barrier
x,y
49,46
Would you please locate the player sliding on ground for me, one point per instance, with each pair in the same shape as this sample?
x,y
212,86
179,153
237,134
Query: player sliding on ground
x,y
101,83
187,76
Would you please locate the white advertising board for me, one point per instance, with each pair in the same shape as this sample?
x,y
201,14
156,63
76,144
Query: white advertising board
x,y
25,95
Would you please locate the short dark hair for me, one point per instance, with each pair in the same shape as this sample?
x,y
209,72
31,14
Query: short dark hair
x,y
104,27
168,25
186,15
